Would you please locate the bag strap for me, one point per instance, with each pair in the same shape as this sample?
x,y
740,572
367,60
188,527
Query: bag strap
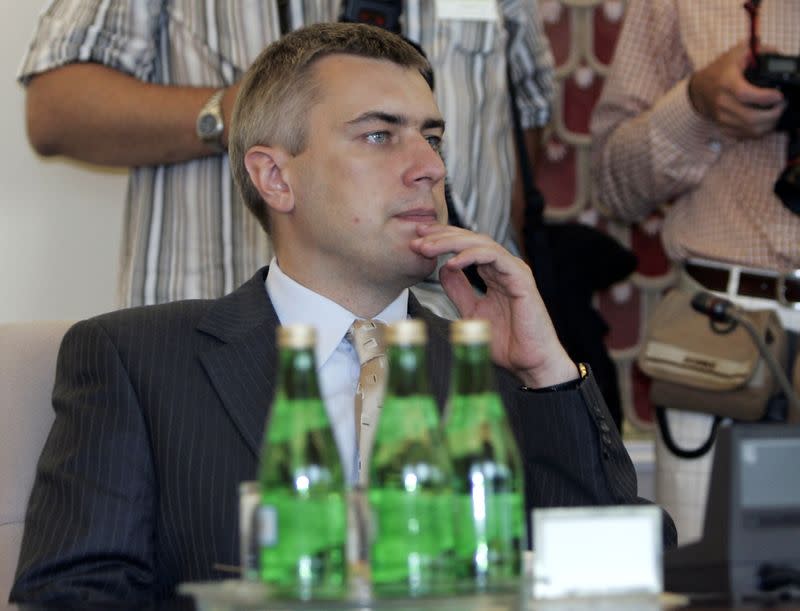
x,y
538,248
669,440
534,201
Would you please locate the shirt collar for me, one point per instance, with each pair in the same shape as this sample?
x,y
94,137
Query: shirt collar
x,y
295,303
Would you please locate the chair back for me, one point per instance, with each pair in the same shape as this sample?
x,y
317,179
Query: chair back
x,y
27,370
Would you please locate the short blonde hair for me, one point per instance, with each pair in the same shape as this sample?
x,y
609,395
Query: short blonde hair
x,y
279,90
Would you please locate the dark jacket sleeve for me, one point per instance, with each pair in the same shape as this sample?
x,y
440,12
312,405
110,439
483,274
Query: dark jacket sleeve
x,y
572,451
92,504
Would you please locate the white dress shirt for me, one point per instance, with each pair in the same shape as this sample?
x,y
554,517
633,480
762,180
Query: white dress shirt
x,y
337,362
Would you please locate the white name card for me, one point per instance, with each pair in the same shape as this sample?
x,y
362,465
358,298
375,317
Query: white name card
x,y
597,551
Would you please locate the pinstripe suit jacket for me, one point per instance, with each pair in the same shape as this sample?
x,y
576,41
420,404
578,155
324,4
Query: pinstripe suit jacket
x,y
159,415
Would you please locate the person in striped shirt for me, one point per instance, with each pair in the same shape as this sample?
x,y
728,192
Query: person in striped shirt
x,y
121,83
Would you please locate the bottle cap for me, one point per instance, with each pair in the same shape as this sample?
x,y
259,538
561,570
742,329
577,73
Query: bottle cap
x,y
297,336
470,331
407,332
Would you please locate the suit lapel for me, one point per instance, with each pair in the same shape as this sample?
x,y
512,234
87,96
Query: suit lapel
x,y
242,369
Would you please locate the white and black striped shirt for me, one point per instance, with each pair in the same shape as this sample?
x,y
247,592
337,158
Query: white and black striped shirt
x,y
187,234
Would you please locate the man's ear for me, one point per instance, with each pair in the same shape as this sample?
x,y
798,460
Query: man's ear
x,y
265,165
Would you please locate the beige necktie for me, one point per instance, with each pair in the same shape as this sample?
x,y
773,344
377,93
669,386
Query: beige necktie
x,y
367,338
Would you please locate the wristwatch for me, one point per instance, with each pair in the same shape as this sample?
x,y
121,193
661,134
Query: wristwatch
x,y
209,124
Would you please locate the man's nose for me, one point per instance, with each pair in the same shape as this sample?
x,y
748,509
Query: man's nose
x,y
426,164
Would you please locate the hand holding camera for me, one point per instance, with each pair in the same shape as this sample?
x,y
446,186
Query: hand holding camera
x,y
749,92
721,93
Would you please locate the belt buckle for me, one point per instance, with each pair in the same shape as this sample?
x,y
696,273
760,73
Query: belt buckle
x,y
780,289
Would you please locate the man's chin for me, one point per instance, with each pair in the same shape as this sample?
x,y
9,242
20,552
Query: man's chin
x,y
407,266
424,268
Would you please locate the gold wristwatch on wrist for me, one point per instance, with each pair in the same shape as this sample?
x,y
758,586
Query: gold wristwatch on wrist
x,y
210,125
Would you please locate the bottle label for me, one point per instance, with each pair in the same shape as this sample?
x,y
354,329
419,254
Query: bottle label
x,y
293,419
475,421
267,526
413,536
412,417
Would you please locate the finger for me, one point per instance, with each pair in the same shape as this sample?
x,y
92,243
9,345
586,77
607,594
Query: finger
x,y
495,264
732,103
424,229
477,255
742,89
445,242
751,95
434,232
457,287
766,122
437,234
505,275
748,122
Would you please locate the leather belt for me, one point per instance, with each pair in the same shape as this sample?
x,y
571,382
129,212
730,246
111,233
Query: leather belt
x,y
783,288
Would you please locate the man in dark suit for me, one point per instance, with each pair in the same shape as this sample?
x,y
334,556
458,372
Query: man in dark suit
x,y
160,411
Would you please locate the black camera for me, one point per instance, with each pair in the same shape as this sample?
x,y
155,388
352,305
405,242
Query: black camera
x,y
382,13
783,72
779,72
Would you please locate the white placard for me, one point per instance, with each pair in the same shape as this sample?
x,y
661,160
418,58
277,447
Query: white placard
x,y
597,551
467,10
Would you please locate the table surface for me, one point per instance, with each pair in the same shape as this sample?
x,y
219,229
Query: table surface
x,y
496,602
187,604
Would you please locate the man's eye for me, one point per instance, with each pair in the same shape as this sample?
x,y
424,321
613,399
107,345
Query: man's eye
x,y
435,142
378,137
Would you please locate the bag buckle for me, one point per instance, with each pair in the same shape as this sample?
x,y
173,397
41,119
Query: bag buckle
x,y
780,289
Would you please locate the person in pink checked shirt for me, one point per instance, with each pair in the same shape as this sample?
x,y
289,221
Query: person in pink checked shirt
x,y
679,122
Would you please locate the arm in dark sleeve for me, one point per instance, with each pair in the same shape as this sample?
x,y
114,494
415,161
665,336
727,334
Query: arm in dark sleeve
x,y
89,524
572,451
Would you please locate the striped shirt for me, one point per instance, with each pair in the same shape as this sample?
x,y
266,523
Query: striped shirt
x,y
651,146
186,232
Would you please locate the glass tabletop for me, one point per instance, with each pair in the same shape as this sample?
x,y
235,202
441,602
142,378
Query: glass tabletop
x,y
240,595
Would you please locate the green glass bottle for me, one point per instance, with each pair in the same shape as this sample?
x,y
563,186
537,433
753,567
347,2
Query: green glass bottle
x,y
489,525
301,520
410,477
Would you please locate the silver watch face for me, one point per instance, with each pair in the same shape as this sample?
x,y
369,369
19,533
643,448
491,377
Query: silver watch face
x,y
208,125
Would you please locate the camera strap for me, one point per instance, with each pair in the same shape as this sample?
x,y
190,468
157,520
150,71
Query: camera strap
x,y
284,21
537,244
752,7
